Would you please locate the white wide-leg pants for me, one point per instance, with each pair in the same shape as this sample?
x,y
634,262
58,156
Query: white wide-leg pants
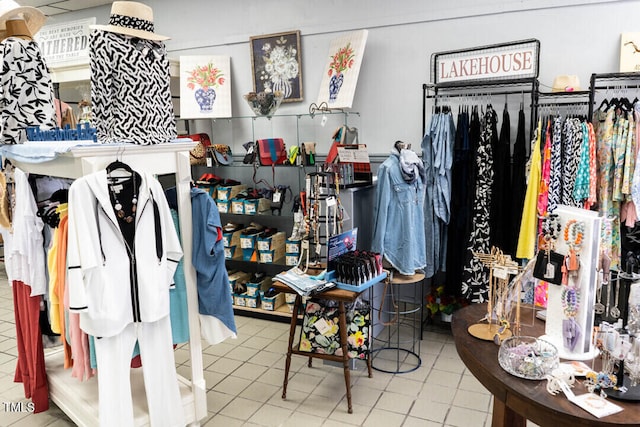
x,y
113,356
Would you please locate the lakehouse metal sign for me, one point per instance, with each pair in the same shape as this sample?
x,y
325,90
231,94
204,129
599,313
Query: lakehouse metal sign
x,y
515,60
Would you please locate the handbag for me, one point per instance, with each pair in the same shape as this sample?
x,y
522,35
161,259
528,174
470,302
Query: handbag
x,y
548,266
272,151
221,154
250,157
344,135
308,153
198,154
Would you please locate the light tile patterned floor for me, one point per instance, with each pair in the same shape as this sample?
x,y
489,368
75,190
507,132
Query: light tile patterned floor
x,y
244,381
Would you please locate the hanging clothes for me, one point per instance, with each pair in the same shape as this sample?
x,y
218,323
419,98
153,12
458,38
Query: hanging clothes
x,y
475,276
437,158
501,215
462,186
518,183
555,177
545,174
529,223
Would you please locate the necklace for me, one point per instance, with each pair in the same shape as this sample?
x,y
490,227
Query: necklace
x,y
117,206
573,236
550,229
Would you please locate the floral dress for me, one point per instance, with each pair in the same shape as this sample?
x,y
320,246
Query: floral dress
x,y
475,276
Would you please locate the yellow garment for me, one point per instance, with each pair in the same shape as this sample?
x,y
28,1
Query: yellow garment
x,y
54,301
529,223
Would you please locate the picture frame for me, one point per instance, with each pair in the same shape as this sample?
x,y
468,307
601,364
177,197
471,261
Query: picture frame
x,y
205,86
276,64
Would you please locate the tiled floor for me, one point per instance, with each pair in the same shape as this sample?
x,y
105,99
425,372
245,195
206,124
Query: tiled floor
x,y
244,382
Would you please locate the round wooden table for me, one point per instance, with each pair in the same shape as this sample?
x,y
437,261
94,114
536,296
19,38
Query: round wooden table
x,y
517,400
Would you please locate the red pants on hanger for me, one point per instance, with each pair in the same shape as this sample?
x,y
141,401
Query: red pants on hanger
x,y
30,370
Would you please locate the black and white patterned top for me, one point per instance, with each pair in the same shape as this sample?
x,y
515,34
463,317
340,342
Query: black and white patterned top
x,y
26,92
130,90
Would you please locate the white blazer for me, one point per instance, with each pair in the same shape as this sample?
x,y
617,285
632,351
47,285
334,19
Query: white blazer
x,y
98,265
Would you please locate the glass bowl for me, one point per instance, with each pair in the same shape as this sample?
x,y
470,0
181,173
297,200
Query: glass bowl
x,y
264,103
528,357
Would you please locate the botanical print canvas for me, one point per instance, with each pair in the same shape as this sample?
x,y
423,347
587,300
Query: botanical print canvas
x,y
205,86
630,52
339,80
276,64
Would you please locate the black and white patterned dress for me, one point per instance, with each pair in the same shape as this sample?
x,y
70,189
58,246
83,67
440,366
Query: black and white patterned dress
x,y
475,276
26,92
130,90
555,178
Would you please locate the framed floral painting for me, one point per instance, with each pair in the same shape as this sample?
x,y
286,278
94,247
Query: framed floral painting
x,y
205,86
276,64
338,85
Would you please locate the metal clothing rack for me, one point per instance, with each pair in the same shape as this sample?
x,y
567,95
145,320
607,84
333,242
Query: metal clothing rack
x,y
479,90
622,82
561,101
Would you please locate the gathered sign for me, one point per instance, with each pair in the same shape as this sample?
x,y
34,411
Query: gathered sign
x,y
496,62
65,43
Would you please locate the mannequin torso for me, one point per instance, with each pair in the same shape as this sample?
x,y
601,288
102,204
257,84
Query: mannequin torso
x,y
18,28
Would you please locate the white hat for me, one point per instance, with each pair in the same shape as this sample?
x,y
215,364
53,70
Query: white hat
x,y
132,19
566,83
33,17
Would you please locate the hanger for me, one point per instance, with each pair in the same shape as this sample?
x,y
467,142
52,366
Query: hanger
x,y
118,170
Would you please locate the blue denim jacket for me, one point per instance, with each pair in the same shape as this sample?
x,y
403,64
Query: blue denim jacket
x,y
398,229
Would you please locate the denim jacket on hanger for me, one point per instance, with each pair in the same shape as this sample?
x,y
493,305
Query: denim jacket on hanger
x,y
398,231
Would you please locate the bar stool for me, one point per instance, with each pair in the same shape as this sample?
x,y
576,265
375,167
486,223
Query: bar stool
x,y
402,301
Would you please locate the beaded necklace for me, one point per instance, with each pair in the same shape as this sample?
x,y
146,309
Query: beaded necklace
x,y
570,296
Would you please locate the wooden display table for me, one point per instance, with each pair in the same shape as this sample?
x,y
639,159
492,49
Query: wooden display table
x,y
517,400
342,297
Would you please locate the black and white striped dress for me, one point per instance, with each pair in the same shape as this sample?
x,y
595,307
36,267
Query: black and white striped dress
x,y
130,90
26,92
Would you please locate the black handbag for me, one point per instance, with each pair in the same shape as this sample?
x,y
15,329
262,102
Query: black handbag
x,y
548,266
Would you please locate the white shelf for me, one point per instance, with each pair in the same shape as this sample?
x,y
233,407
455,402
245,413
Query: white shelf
x,y
80,400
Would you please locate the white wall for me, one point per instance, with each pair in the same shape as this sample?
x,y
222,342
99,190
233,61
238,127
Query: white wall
x,y
577,37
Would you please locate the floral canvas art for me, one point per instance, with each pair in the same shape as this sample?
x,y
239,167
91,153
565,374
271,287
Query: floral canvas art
x,y
205,86
339,80
276,64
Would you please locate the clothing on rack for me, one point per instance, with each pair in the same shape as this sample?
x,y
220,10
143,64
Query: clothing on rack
x,y
501,215
26,91
399,211
475,277
130,91
529,223
518,183
437,156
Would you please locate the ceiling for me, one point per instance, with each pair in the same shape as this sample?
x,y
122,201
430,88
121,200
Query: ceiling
x,y
52,7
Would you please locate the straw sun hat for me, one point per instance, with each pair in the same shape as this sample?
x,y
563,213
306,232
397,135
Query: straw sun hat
x,y
32,16
132,19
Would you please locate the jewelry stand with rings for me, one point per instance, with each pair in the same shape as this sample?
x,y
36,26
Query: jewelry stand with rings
x,y
400,315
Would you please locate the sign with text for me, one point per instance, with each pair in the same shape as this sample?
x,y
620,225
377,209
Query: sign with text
x,y
66,43
496,62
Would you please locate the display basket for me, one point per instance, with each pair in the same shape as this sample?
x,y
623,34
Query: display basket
x,y
528,357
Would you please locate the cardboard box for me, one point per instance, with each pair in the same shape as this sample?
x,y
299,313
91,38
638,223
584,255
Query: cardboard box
x,y
248,242
290,298
256,206
239,300
250,255
232,252
292,247
272,243
231,239
255,288
228,193
237,206
291,259
271,257
223,206
270,304
252,301
238,276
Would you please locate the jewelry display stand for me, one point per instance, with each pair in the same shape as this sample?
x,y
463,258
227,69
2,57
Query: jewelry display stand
x,y
586,284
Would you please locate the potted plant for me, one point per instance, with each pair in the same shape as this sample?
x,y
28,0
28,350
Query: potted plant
x,y
439,302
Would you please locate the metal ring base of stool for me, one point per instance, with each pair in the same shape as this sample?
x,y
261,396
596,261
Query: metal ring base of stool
x,y
398,371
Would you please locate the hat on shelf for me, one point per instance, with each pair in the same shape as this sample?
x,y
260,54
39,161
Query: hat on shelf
x,y
131,19
33,17
566,83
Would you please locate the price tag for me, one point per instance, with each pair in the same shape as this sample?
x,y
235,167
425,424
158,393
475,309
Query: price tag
x,y
305,245
322,326
277,196
209,162
318,248
331,201
324,120
500,273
